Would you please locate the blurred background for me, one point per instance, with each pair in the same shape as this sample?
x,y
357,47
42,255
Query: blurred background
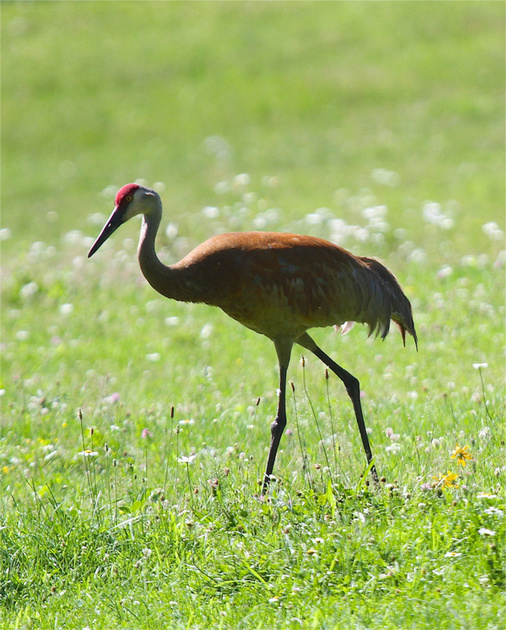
x,y
318,105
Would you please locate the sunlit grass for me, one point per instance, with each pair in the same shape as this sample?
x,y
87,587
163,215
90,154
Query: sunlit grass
x,y
135,433
135,430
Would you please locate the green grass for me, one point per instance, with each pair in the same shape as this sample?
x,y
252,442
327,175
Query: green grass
x,y
134,516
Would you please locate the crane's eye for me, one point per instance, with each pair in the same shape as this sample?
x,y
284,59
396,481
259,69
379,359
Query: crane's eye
x,y
128,198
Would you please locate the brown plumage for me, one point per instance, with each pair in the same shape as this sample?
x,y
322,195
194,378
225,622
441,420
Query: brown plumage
x,y
278,285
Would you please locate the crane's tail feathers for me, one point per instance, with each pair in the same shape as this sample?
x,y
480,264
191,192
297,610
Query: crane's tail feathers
x,y
402,330
404,322
379,328
396,305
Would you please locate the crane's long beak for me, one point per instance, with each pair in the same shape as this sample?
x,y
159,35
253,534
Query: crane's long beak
x,y
113,223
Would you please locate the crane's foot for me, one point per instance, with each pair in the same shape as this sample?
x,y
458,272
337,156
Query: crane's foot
x,y
266,483
374,474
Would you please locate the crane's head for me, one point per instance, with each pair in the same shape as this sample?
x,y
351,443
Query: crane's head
x,y
131,200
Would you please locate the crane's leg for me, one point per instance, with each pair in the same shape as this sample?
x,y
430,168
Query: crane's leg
x,y
283,350
352,387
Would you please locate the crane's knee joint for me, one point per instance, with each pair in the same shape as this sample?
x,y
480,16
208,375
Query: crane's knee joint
x,y
278,426
352,384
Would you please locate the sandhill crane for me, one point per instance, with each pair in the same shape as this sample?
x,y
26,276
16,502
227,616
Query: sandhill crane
x,y
278,285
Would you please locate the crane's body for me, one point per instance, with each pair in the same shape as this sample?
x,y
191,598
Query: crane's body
x,y
281,284
278,285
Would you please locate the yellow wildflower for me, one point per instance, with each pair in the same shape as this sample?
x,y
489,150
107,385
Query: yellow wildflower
x,y
447,481
462,454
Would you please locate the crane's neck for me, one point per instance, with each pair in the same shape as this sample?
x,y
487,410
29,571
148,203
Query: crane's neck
x,y
166,280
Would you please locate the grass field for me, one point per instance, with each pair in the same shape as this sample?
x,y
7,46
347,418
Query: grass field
x,y
134,430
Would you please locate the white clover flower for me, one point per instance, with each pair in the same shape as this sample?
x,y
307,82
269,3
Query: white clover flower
x,y
313,218
338,225
221,188
259,222
109,192
218,146
171,231
375,212
187,422
385,177
493,511
159,187
445,271
50,455
97,218
492,230
66,309
210,212
433,214
378,224
483,531
393,448
447,223
74,237
38,247
418,255
186,459
389,432
28,289
172,321
243,179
